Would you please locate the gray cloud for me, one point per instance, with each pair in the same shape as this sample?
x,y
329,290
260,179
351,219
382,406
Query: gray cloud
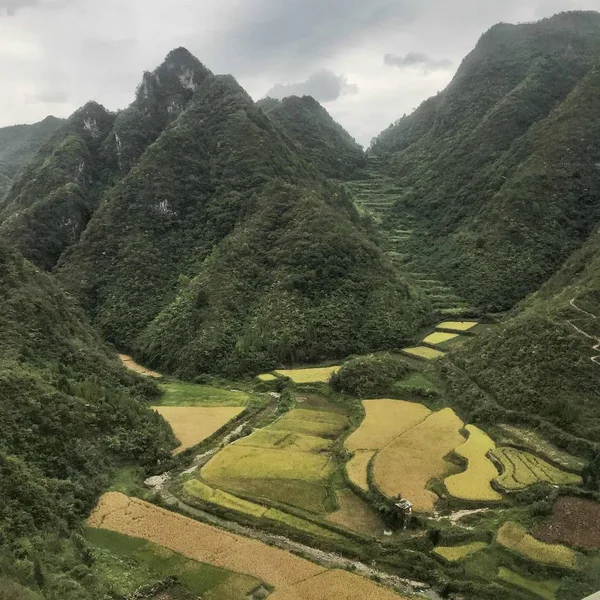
x,y
324,86
10,7
419,60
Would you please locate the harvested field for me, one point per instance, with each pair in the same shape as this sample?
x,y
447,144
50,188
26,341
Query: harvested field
x,y
543,589
439,337
182,393
133,366
356,514
384,421
456,553
531,439
457,325
474,483
288,461
522,469
292,576
574,522
356,468
423,352
406,465
514,537
193,424
314,375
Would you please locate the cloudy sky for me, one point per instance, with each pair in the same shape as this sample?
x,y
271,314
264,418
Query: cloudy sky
x,y
367,61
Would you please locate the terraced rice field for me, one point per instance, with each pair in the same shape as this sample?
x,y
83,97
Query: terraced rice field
x,y
457,325
522,469
544,589
288,461
312,375
405,466
182,393
475,482
531,439
439,337
423,352
514,537
294,578
356,514
574,522
133,366
193,424
384,421
456,553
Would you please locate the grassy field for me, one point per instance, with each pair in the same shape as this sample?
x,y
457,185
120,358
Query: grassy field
x,y
531,439
288,461
266,377
313,375
457,325
405,466
133,366
416,381
439,337
522,469
544,589
474,483
181,393
574,522
193,424
423,352
294,578
514,537
456,553
129,563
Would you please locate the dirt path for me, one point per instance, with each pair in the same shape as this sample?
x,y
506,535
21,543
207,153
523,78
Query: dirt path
x,y
596,346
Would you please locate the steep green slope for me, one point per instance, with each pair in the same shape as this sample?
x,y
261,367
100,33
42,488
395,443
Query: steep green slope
x,y
499,170
223,251
18,144
52,201
318,138
70,414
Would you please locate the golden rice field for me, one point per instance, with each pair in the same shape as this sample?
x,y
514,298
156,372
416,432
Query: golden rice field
x,y
475,482
515,537
439,337
193,424
133,366
293,577
423,352
457,325
544,589
289,461
405,466
456,553
522,469
312,375
357,466
267,377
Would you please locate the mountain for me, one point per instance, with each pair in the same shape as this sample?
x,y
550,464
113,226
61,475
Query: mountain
x,y
499,170
224,251
52,201
318,138
70,415
18,144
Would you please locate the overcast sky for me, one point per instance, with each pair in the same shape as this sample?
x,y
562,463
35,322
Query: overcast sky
x,y
367,61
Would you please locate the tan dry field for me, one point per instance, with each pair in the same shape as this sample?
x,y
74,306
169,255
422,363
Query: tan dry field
x,y
293,577
193,424
406,465
133,366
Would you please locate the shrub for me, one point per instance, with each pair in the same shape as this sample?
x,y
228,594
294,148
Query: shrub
x,y
369,375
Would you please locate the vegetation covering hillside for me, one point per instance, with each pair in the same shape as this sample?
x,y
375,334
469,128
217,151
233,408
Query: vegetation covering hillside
x,y
50,205
18,144
318,138
500,169
70,414
224,251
